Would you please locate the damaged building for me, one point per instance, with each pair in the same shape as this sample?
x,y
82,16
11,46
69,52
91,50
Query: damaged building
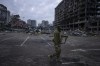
x,y
78,14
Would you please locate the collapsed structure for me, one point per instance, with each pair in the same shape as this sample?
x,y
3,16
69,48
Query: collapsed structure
x,y
78,14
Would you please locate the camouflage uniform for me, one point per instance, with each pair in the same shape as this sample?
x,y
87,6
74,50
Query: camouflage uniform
x,y
57,44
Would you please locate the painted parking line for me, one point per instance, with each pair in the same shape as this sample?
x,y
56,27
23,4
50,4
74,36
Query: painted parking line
x,y
7,38
46,41
75,50
94,49
49,44
42,38
84,50
24,41
68,63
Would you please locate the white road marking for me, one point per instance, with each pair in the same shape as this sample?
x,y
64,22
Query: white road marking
x,y
25,41
75,50
49,44
45,40
93,49
42,38
84,50
72,63
68,63
7,38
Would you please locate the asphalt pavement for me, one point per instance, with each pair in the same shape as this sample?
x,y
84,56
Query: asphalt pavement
x,y
21,49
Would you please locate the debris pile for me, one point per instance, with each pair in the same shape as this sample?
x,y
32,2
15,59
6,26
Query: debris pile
x,y
78,32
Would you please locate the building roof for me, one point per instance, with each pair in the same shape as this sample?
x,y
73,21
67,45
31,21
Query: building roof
x,y
4,7
59,4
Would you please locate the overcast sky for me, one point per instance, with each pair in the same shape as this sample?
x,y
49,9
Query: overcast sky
x,y
32,9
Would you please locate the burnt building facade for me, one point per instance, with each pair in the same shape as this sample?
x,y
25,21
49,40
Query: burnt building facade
x,y
78,14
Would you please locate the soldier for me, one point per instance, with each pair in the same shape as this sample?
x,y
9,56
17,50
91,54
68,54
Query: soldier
x,y
57,43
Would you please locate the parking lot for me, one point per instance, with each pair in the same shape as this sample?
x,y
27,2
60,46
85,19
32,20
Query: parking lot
x,y
22,49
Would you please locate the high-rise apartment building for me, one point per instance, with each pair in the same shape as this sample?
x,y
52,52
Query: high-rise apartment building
x,y
31,23
8,17
78,14
3,15
45,23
